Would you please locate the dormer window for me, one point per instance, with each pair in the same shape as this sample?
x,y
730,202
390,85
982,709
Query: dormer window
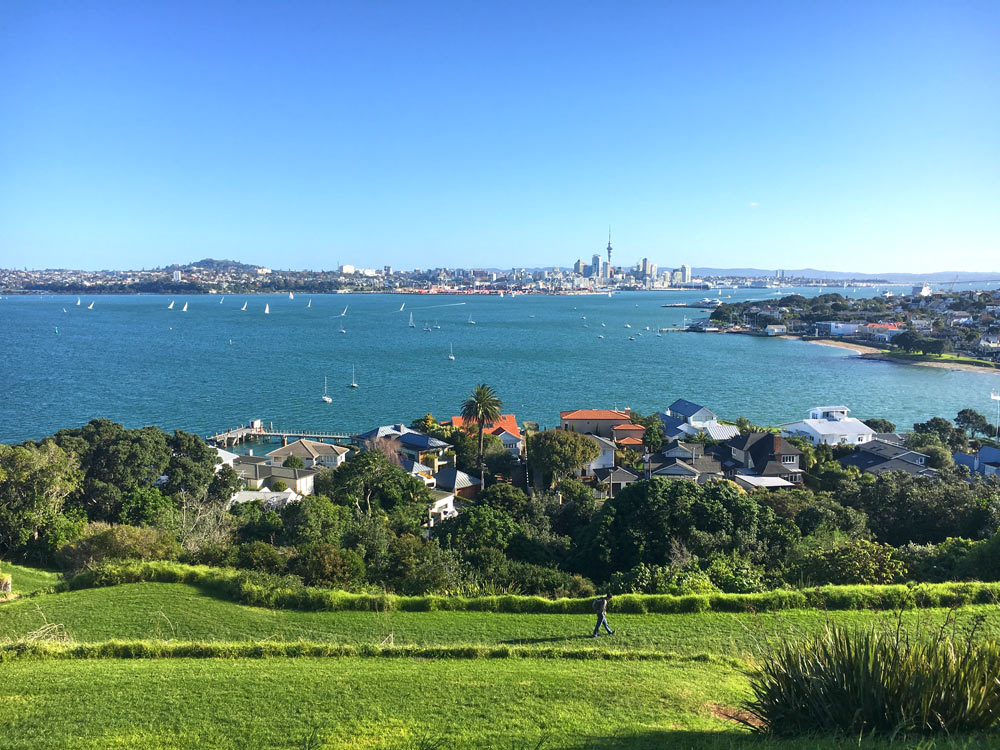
x,y
788,459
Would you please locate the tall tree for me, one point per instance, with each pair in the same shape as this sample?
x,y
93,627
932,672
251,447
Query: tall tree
x,y
481,407
34,483
555,454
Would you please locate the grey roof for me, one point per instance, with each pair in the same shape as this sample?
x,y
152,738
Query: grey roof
x,y
989,455
897,438
721,431
618,474
413,467
686,408
603,443
404,435
385,431
308,449
455,479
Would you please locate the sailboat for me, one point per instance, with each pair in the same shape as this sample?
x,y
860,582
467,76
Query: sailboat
x,y
342,330
222,300
345,311
471,321
325,396
436,325
64,309
402,306
309,303
411,321
267,309
77,301
185,308
244,306
451,352
90,306
354,382
291,296
427,327
171,305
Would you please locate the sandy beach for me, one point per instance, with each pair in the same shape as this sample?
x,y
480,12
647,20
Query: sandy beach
x,y
870,352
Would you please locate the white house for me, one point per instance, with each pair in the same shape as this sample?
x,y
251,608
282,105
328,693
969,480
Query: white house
x,y
442,507
830,425
604,461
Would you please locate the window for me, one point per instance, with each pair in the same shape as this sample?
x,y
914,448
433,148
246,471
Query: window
x,y
788,459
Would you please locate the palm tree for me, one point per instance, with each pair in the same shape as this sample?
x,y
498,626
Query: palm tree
x,y
481,407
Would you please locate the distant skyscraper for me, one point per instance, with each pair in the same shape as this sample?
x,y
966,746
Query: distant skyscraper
x,y
177,276
609,251
595,265
686,274
578,267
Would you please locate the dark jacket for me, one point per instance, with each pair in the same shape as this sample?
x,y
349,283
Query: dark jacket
x,y
600,605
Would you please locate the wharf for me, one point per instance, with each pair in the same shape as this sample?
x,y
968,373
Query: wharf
x,y
257,431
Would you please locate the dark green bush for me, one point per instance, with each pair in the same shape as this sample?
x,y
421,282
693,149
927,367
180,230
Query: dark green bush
x,y
880,680
101,542
322,564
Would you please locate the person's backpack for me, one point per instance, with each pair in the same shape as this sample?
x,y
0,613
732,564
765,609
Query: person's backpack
x,y
598,604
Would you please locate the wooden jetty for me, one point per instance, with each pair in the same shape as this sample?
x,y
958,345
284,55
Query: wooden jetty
x,y
258,431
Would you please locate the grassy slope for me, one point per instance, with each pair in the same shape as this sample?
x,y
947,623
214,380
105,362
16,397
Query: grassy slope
x,y
176,611
381,703
28,580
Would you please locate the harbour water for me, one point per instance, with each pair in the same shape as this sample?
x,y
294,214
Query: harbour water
x,y
214,366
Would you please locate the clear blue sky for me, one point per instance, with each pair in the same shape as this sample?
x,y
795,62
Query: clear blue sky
x,y
847,136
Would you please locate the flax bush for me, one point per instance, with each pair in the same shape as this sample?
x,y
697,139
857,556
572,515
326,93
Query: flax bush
x,y
877,681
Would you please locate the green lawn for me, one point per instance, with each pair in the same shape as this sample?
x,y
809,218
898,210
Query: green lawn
x,y
28,580
380,703
177,611
401,702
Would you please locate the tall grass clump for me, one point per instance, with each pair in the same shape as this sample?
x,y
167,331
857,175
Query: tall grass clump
x,y
877,681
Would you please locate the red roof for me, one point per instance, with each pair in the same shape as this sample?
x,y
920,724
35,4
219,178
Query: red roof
x,y
506,423
602,414
628,427
630,441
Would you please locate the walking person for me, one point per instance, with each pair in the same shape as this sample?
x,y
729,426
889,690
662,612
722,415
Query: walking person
x,y
601,609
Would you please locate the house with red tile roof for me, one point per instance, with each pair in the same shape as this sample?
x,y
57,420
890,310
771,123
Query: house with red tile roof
x,y
504,428
628,434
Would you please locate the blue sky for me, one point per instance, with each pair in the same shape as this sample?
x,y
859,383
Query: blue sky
x,y
848,136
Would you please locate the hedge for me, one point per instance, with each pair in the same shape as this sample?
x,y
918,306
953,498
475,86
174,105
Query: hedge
x,y
150,649
287,592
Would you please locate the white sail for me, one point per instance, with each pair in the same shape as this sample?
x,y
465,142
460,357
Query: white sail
x,y
325,396
78,301
244,306
345,312
171,305
291,296
222,300
309,303
451,351
411,321
402,306
354,381
90,306
267,309
185,308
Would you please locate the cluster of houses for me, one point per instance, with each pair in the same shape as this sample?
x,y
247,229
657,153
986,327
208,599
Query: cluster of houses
x,y
753,460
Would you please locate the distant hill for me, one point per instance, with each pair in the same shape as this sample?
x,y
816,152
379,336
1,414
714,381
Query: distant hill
x,y
903,278
215,265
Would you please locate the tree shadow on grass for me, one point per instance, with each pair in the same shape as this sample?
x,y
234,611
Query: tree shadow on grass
x,y
744,740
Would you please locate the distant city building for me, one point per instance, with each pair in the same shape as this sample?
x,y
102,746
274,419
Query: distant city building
x,y
609,252
578,267
177,276
686,274
595,266
347,268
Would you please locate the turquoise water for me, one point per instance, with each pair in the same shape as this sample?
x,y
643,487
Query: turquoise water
x,y
132,360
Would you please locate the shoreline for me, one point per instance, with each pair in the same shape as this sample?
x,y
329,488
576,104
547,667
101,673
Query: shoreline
x,y
881,355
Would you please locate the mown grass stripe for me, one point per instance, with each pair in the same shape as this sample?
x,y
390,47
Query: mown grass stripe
x,y
151,649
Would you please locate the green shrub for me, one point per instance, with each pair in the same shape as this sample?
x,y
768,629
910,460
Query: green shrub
x,y
853,562
876,681
322,564
102,542
263,557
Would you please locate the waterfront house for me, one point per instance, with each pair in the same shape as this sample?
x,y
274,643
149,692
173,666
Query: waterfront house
x,y
764,454
986,462
775,329
422,472
461,484
830,425
877,457
312,452
598,422
504,428
837,328
403,442
685,418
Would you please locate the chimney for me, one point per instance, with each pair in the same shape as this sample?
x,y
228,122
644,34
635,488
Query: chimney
x,y
776,445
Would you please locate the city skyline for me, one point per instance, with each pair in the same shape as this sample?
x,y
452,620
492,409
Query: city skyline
x,y
841,136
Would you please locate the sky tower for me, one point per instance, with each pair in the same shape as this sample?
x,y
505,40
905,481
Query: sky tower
x,y
609,251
